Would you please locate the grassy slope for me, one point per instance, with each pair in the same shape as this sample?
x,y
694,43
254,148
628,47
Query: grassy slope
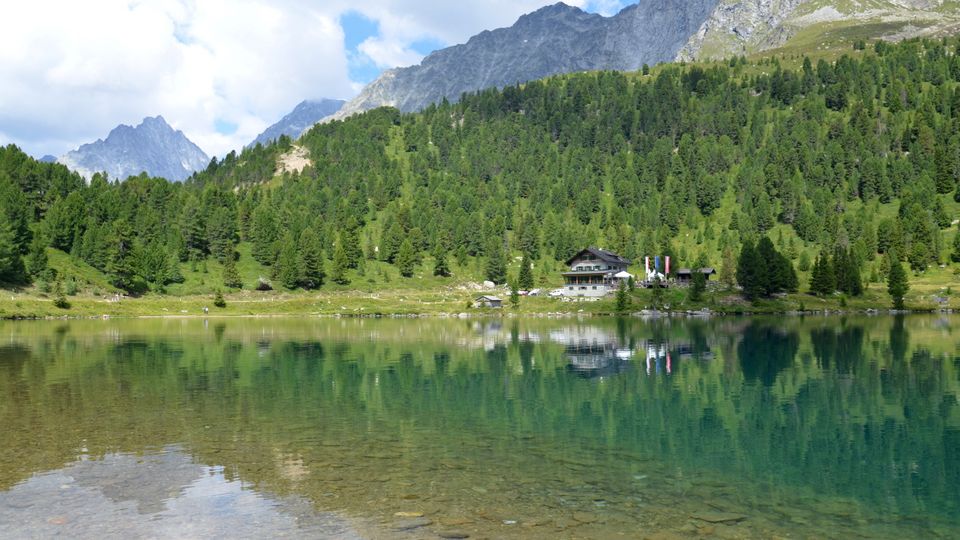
x,y
380,289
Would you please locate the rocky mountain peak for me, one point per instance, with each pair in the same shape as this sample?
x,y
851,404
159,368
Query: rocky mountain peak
x,y
152,147
304,115
554,39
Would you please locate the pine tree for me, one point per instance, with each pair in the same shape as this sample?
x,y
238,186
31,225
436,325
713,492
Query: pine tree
x,y
525,278
11,263
36,260
440,266
218,300
352,246
310,262
955,255
514,295
698,285
623,298
338,272
120,259
287,266
897,284
750,271
263,235
823,281
231,277
406,259
390,242
728,268
496,263
59,300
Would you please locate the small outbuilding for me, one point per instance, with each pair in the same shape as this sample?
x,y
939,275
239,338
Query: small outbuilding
x,y
686,275
488,302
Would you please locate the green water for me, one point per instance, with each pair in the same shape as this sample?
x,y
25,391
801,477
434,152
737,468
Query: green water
x,y
727,428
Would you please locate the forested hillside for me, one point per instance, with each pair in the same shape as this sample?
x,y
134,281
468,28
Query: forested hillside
x,y
688,160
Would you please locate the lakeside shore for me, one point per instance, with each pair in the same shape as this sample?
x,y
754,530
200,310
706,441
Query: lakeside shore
x,y
452,302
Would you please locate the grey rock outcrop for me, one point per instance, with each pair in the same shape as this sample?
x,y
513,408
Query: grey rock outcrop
x,y
747,26
552,40
563,39
152,147
303,116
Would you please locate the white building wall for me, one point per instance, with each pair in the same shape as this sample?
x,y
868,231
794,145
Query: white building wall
x,y
586,291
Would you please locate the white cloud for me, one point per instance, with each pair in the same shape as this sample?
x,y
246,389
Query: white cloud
x,y
71,70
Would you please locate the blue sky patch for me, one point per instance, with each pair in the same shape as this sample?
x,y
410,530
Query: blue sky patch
x,y
225,127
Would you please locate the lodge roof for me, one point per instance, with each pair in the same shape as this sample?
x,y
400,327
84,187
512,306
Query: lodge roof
x,y
706,270
602,254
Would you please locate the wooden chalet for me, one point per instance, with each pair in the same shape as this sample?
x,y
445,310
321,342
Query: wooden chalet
x,y
594,272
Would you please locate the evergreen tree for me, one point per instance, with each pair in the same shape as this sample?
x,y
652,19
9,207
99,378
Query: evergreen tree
x,y
525,278
496,270
623,299
231,277
36,260
310,262
11,264
218,300
59,300
287,266
750,271
263,235
514,294
698,285
338,272
440,266
393,236
823,281
352,246
121,264
955,255
897,284
406,259
728,268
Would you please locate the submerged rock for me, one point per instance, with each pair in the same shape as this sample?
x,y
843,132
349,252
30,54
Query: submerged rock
x,y
719,517
411,524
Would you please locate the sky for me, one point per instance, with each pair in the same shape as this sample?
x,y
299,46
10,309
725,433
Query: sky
x,y
219,70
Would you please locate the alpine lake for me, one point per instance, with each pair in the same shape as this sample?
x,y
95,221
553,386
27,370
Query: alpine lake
x,y
731,427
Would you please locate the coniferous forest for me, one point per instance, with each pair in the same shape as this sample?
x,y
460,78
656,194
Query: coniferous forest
x,y
839,169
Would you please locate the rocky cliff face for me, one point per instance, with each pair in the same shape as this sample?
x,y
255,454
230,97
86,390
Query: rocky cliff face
x,y
152,147
564,39
555,39
747,26
306,114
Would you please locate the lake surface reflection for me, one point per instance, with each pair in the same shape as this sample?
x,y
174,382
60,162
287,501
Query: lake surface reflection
x,y
734,427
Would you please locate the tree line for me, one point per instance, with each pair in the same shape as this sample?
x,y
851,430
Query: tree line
x,y
725,152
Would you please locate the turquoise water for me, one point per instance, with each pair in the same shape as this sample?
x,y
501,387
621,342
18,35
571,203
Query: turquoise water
x,y
735,427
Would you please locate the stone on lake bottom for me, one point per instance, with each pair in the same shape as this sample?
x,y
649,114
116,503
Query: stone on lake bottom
x,y
719,517
454,534
410,524
409,514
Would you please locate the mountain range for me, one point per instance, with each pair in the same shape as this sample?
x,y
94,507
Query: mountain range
x,y
564,39
304,115
152,147
554,40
